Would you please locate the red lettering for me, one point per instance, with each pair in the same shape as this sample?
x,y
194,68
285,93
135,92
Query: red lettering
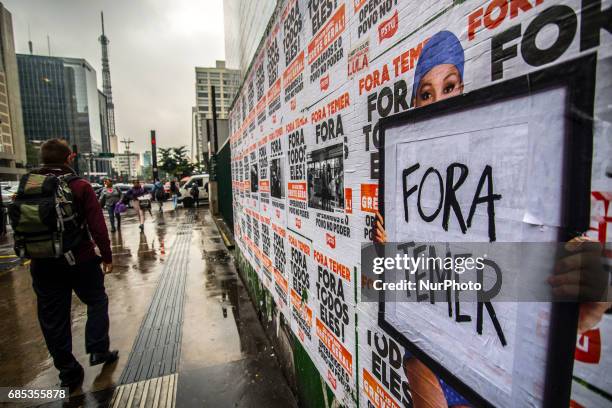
x,y
474,21
491,22
516,5
496,12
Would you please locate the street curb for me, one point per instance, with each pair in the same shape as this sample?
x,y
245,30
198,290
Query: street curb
x,y
228,238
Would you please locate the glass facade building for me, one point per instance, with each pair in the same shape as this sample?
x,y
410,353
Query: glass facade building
x,y
86,106
105,165
104,122
46,96
60,99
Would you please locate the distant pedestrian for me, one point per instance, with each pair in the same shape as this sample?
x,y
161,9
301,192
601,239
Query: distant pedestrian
x,y
133,194
65,262
159,194
109,198
174,190
194,192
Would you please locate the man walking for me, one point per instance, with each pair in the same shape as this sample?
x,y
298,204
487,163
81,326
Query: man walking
x,y
195,194
54,279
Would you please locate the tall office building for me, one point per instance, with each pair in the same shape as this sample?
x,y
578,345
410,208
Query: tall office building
x,y
146,158
12,141
60,100
226,83
106,143
245,24
87,106
127,166
102,102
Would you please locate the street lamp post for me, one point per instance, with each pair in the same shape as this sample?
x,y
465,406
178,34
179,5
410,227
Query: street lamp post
x,y
127,143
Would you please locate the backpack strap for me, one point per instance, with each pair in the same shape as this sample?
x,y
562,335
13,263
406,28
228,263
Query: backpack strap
x,y
80,219
70,177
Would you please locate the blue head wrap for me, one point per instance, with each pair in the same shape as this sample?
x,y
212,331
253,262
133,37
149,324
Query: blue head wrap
x,y
442,48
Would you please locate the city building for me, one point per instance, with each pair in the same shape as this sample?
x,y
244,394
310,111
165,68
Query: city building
x,y
245,24
125,169
88,127
146,169
226,83
45,97
106,142
60,99
146,158
13,157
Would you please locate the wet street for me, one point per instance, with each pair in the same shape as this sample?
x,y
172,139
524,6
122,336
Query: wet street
x,y
181,319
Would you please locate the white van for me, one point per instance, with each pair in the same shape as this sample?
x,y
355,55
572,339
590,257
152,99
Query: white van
x,y
185,186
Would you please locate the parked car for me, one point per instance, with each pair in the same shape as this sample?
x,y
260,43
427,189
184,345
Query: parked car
x,y
97,188
185,185
123,187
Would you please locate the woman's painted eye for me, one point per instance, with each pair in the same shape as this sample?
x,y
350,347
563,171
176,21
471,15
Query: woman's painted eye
x,y
425,96
449,88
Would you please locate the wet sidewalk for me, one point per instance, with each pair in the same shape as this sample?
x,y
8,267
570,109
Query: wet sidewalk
x,y
186,330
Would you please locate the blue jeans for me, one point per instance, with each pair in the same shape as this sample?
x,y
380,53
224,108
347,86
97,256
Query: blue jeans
x,y
112,215
175,200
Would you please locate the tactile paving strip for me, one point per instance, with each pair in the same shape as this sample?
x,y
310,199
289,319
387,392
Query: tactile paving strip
x,y
156,350
155,393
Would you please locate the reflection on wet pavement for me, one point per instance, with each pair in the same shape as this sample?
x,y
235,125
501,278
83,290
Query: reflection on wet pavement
x,y
225,358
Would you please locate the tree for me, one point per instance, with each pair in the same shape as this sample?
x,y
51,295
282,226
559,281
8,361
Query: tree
x,y
175,162
167,162
199,167
147,172
184,166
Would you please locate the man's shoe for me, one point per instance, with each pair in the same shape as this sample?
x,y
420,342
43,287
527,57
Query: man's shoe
x,y
74,382
103,358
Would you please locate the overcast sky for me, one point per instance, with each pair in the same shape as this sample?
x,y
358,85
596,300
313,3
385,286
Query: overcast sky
x,y
154,47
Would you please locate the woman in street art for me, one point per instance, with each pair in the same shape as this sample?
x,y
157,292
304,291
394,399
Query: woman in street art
x,y
438,76
439,72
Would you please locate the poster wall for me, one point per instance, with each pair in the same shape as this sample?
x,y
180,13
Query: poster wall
x,y
306,166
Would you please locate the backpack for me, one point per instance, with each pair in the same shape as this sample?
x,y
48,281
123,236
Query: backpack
x,y
44,217
194,190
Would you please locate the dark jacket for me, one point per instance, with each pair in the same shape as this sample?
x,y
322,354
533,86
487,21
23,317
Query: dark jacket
x,y
194,191
89,208
134,193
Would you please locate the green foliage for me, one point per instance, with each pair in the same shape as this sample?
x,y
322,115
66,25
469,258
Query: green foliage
x,y
147,173
175,162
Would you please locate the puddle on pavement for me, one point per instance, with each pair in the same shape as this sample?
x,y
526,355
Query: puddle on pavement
x,y
221,336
